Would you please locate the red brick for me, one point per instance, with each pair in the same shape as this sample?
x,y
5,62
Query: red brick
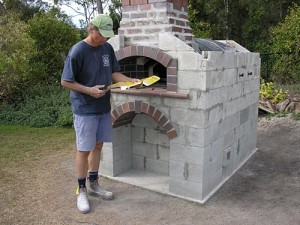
x,y
145,7
157,114
120,110
147,51
172,87
171,79
168,126
165,61
137,106
144,107
133,50
125,2
138,2
173,63
172,134
151,110
115,113
126,107
127,51
171,70
131,106
162,120
159,56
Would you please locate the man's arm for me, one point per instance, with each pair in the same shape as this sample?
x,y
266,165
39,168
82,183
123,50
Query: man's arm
x,y
119,77
92,91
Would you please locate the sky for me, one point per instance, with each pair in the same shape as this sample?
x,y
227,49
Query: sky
x,y
69,11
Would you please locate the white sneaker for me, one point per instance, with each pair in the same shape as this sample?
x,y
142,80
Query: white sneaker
x,y
98,191
82,200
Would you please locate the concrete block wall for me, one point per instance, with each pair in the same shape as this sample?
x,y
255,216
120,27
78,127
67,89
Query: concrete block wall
x,y
150,146
216,125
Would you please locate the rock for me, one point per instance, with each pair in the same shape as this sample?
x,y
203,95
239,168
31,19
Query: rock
x,y
281,106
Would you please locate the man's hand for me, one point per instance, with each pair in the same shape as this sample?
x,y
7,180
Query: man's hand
x,y
97,91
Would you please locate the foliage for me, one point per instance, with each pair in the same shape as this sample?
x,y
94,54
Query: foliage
x,y
245,21
268,92
42,107
17,50
26,9
115,13
296,116
286,40
200,28
54,34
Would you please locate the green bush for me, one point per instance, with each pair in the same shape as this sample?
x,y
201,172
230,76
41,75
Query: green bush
x,y
42,107
54,34
17,49
286,41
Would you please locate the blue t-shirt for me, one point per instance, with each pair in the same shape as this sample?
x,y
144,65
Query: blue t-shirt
x,y
90,66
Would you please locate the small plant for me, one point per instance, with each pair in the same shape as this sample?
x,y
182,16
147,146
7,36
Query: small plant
x,y
268,92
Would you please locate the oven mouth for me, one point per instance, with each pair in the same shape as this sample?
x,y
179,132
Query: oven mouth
x,y
142,67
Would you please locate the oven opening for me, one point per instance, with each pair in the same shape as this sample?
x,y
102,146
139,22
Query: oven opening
x,y
142,67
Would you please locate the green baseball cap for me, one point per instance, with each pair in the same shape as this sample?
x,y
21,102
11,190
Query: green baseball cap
x,y
104,24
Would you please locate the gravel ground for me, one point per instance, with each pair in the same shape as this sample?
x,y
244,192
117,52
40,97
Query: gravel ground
x,y
265,191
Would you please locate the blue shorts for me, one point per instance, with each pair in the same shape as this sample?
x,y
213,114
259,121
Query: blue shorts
x,y
92,129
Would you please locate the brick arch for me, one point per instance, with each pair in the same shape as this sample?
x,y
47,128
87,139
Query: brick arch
x,y
125,113
156,54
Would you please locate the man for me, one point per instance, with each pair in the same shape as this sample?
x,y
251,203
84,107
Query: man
x,y
89,67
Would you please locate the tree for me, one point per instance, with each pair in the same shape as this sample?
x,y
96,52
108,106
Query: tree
x,y
285,43
85,8
54,34
245,21
17,50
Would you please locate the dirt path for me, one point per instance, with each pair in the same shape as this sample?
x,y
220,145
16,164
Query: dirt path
x,y
266,191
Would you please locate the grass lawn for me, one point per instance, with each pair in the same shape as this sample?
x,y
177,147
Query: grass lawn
x,y
21,145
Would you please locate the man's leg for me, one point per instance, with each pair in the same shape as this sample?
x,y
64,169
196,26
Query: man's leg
x,y
81,171
94,158
94,163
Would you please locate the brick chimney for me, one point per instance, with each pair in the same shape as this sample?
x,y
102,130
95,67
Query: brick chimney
x,y
143,20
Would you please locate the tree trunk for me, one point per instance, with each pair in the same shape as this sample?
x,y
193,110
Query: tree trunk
x,y
100,7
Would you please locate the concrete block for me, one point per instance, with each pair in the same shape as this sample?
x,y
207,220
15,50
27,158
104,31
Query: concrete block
x,y
230,108
174,102
107,154
163,153
181,134
152,136
191,80
205,99
138,162
138,148
186,188
188,60
227,156
126,134
230,77
106,168
188,154
116,134
143,120
229,138
163,140
195,137
177,169
126,150
138,133
157,166
215,114
244,115
229,124
150,150
216,79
